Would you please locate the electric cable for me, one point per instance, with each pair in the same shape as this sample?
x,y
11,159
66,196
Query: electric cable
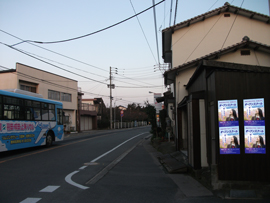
x,y
63,68
62,64
53,51
171,13
51,64
175,12
231,27
75,38
48,82
143,32
203,38
155,21
212,5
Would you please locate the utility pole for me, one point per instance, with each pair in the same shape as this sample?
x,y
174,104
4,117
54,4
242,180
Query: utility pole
x,y
111,97
111,86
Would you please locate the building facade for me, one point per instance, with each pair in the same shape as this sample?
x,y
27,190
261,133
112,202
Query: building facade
x,y
50,86
225,36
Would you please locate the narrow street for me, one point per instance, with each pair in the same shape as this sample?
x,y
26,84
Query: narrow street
x,y
100,166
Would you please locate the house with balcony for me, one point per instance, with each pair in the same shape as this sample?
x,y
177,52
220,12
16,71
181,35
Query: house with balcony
x,y
221,55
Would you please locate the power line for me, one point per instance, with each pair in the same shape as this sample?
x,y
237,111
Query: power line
x,y
51,64
231,26
75,38
48,82
203,38
139,87
175,11
28,53
212,5
52,51
154,10
62,64
76,73
171,13
38,79
143,31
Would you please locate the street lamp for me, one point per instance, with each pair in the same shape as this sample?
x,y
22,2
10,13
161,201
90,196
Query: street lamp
x,y
115,109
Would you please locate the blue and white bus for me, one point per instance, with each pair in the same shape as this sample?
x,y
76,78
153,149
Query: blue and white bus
x,y
29,121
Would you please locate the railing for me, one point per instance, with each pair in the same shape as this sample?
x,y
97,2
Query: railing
x,y
119,125
87,107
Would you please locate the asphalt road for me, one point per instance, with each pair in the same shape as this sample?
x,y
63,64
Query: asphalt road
x,y
76,170
97,166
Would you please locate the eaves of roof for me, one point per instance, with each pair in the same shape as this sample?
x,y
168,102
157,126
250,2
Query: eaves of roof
x,y
226,8
246,43
8,71
226,66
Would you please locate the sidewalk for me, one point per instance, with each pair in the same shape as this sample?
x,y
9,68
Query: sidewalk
x,y
172,161
176,163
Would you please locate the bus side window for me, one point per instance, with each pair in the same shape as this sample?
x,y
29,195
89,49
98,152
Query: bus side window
x,y
45,111
60,116
9,111
29,113
19,112
51,112
37,110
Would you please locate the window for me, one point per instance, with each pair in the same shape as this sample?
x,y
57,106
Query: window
x,y
51,112
48,112
28,88
37,110
65,97
19,109
13,108
53,95
29,112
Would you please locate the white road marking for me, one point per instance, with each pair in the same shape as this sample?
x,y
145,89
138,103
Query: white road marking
x,y
49,188
83,167
68,180
31,200
94,160
68,177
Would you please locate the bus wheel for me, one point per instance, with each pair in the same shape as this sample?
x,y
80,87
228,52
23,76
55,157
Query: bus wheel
x,y
49,139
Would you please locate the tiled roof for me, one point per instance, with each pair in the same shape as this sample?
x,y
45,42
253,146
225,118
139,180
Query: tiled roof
x,y
226,8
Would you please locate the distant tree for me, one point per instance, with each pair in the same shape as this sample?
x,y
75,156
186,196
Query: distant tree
x,y
150,110
105,121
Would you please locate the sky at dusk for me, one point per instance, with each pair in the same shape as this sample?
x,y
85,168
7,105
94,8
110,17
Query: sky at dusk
x,y
130,48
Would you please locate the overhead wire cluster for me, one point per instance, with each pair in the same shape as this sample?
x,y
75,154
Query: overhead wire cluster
x,y
121,77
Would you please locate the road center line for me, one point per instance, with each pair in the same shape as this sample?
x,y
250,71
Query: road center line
x,y
30,200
